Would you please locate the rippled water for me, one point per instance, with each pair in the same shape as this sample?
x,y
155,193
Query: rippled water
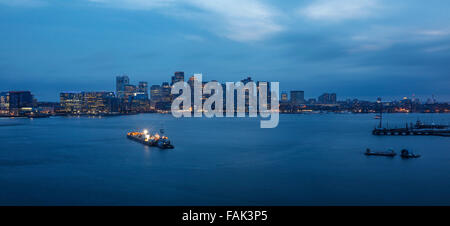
x,y
307,160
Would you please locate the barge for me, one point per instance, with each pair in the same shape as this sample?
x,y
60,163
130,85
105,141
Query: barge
x,y
155,140
389,153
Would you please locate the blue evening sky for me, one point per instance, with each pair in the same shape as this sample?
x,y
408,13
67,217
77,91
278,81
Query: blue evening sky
x,y
356,48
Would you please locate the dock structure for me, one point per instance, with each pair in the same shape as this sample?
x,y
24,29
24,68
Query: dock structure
x,y
410,132
417,129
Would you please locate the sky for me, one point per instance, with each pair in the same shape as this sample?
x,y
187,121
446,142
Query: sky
x,y
355,48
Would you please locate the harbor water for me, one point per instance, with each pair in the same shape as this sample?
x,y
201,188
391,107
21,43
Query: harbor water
x,y
309,159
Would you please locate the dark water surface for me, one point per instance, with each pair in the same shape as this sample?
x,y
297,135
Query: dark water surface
x,y
307,160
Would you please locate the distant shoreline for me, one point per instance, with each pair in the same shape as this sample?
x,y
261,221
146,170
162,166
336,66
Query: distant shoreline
x,y
281,113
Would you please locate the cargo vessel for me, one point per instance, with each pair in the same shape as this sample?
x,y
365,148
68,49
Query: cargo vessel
x,y
148,139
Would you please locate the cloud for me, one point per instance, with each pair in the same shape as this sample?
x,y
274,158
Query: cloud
x,y
339,10
249,20
435,33
241,20
376,38
135,4
23,3
443,48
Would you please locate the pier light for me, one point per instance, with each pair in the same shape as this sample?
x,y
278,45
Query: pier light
x,y
145,131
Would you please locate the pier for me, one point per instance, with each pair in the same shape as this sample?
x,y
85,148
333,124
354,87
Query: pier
x,y
417,129
410,132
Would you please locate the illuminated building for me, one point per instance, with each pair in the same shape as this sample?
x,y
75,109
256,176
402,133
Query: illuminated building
x,y
155,95
19,100
71,102
297,98
165,92
284,97
4,103
143,88
121,82
177,77
95,102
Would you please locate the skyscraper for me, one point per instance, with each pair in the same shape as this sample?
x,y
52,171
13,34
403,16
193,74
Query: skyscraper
x,y
333,99
121,82
165,92
155,95
297,97
128,92
284,97
327,98
177,77
143,88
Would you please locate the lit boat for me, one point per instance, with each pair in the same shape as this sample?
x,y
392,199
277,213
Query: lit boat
x,y
155,140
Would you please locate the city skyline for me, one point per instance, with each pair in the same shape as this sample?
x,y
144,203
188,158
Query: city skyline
x,y
358,49
129,98
143,87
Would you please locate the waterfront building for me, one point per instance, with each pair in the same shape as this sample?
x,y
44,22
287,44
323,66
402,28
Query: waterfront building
x,y
165,92
284,97
140,103
177,77
297,98
333,98
4,103
155,95
71,102
128,93
312,101
143,88
20,101
121,82
327,98
47,107
95,102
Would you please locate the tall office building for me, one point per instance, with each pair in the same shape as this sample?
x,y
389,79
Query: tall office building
x,y
165,92
177,77
324,98
128,92
155,95
4,103
143,88
284,97
297,97
333,99
19,100
121,82
327,98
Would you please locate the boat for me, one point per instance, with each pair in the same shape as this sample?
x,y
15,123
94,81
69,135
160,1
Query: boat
x,y
389,153
408,155
148,139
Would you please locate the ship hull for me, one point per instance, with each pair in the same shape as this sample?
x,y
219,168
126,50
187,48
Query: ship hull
x,y
149,143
